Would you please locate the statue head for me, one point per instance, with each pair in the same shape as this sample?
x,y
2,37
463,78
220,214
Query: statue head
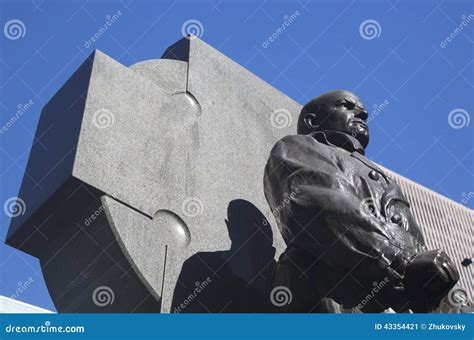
x,y
340,111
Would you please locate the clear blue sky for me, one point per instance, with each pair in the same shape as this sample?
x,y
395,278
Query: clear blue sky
x,y
406,63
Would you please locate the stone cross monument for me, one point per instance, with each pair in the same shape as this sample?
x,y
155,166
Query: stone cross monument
x,y
146,188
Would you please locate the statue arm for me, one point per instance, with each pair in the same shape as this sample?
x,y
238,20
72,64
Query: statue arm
x,y
325,218
357,242
332,214
325,205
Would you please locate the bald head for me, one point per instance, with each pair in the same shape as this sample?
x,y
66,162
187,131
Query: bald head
x,y
337,111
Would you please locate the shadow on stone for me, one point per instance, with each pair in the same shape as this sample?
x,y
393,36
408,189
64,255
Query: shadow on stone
x,y
237,280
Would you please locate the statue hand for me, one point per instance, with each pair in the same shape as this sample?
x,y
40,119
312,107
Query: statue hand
x,y
428,277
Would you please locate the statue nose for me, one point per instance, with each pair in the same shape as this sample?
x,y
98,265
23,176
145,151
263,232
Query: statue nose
x,y
362,114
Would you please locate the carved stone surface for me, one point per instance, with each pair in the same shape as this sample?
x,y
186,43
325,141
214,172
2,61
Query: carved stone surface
x,y
150,167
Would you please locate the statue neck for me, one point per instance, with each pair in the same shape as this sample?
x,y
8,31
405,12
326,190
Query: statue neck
x,y
339,139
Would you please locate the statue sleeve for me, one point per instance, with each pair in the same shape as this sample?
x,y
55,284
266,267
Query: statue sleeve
x,y
317,207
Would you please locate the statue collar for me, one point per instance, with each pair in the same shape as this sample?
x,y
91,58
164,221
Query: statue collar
x,y
339,139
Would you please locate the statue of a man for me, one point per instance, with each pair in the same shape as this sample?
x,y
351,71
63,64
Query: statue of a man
x,y
350,235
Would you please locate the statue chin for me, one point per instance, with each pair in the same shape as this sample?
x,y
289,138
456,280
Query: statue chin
x,y
362,136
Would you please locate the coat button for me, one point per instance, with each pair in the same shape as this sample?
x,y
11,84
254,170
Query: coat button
x,y
396,218
374,175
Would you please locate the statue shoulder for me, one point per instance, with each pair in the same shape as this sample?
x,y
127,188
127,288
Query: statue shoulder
x,y
305,143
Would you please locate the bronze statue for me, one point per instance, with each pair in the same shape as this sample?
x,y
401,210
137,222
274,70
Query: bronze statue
x,y
348,229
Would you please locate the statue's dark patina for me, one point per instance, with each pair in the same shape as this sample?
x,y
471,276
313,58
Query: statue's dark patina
x,y
350,235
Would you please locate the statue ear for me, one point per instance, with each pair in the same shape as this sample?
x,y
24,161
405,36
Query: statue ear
x,y
311,120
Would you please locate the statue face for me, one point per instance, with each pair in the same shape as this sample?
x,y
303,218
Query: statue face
x,y
339,111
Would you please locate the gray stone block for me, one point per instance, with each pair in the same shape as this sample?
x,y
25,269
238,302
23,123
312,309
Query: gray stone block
x,y
168,156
